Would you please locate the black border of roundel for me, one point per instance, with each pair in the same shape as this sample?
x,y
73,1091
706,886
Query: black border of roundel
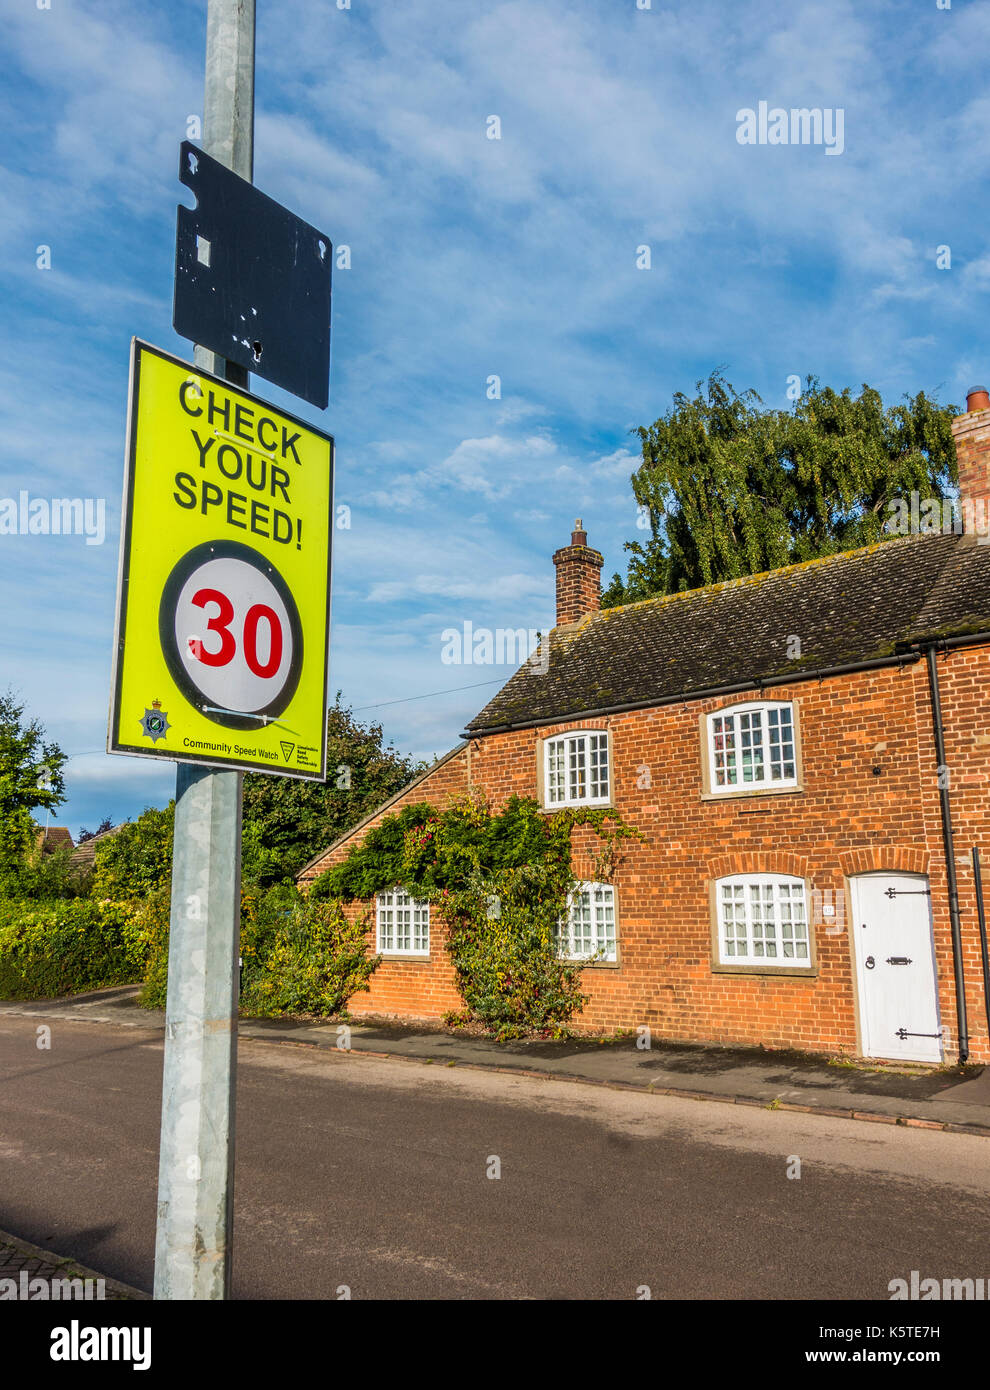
x,y
226,550
114,745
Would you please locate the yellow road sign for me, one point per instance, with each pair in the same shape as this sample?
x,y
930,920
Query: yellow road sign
x,y
223,595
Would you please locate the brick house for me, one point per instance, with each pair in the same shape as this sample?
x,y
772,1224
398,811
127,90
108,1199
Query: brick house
x,y
807,753
53,838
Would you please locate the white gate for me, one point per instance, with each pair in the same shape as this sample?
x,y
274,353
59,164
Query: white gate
x,y
891,922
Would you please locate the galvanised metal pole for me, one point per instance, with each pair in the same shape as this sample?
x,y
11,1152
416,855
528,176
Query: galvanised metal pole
x,y
193,1245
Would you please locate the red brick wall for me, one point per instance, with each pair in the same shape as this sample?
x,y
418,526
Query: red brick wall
x,y
579,587
972,436
964,683
845,820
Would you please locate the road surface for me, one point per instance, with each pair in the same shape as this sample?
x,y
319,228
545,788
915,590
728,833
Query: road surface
x,y
372,1176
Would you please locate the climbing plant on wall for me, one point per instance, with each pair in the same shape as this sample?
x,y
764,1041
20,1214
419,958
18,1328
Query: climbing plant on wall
x,y
500,881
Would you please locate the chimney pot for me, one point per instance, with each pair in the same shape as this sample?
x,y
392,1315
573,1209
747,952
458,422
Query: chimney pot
x,y
977,398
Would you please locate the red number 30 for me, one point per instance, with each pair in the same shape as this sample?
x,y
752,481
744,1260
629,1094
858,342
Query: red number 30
x,y
220,624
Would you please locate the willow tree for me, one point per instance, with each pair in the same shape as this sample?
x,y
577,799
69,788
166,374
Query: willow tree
x,y
728,487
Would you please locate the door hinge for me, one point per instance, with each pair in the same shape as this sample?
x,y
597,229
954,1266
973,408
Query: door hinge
x,y
903,1033
908,893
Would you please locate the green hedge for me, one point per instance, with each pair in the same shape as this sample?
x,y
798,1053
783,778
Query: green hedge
x,y
299,957
66,947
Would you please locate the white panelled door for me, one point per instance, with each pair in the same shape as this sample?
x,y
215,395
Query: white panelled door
x,y
895,967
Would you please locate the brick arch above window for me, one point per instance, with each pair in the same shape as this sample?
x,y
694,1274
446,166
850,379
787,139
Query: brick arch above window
x,y
598,725
759,862
874,858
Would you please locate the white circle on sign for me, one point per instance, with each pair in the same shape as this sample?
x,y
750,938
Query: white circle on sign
x,y
233,635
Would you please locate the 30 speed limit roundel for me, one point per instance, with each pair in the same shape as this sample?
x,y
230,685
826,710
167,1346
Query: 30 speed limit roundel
x,y
231,635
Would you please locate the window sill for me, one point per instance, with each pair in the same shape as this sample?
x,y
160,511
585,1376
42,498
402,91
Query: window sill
x,y
411,958
807,971
578,806
747,793
592,964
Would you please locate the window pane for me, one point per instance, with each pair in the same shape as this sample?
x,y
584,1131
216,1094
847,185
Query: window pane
x,y
590,926
763,921
793,921
781,742
724,744
385,923
403,923
421,926
556,761
751,746
605,920
598,764
581,932
576,768
734,920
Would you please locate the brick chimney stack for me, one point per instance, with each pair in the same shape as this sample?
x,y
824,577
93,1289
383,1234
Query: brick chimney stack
x,y
579,569
972,435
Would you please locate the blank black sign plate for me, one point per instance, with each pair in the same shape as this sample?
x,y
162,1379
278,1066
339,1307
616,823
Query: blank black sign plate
x,y
252,280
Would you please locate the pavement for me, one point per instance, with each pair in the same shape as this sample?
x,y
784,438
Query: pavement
x,y
39,1273
947,1098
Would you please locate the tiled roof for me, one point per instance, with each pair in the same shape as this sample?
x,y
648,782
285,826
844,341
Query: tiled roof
x,y
857,606
55,837
84,854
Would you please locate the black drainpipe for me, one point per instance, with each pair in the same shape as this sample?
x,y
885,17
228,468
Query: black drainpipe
x,y
950,860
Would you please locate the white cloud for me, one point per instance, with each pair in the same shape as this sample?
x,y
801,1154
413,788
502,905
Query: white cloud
x,y
503,587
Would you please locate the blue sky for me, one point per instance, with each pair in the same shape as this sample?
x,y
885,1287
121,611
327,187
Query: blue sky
x,y
472,257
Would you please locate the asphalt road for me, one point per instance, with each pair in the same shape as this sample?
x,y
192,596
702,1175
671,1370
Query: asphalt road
x,y
374,1174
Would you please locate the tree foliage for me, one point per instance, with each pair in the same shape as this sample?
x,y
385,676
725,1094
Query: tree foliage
x,y
287,821
301,957
137,860
31,776
729,487
49,876
426,851
284,821
105,824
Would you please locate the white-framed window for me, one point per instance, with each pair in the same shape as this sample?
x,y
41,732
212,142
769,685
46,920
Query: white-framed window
x,y
590,926
752,746
762,920
576,769
403,924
